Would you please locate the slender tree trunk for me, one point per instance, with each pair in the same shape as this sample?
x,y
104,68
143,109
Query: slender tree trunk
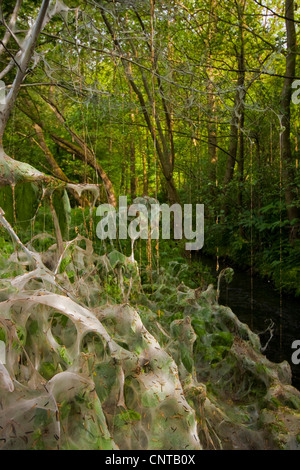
x,y
238,111
11,26
25,58
233,145
86,155
13,171
211,101
241,65
145,172
83,152
287,159
145,175
165,155
241,161
133,181
57,171
132,169
212,134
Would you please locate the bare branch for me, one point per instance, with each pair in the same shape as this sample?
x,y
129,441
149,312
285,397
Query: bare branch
x,y
284,17
10,26
29,45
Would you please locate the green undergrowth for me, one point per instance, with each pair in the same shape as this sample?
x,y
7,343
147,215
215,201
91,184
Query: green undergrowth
x,y
100,357
112,348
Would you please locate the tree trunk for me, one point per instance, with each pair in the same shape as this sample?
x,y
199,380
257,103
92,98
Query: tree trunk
x,y
241,64
241,161
132,169
12,171
233,144
165,155
11,26
238,111
212,135
87,156
24,60
211,101
287,160
57,171
82,151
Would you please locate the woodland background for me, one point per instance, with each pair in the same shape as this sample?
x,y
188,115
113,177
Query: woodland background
x,y
175,101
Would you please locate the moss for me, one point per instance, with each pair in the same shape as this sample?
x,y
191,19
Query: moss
x,y
275,402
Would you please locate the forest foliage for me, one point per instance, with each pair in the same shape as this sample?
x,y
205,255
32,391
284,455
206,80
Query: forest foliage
x,y
188,101
183,102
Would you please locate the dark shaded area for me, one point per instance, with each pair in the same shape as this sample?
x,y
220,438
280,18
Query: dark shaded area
x,y
257,303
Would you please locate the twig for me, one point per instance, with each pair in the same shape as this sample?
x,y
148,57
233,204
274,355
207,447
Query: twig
x,y
15,237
